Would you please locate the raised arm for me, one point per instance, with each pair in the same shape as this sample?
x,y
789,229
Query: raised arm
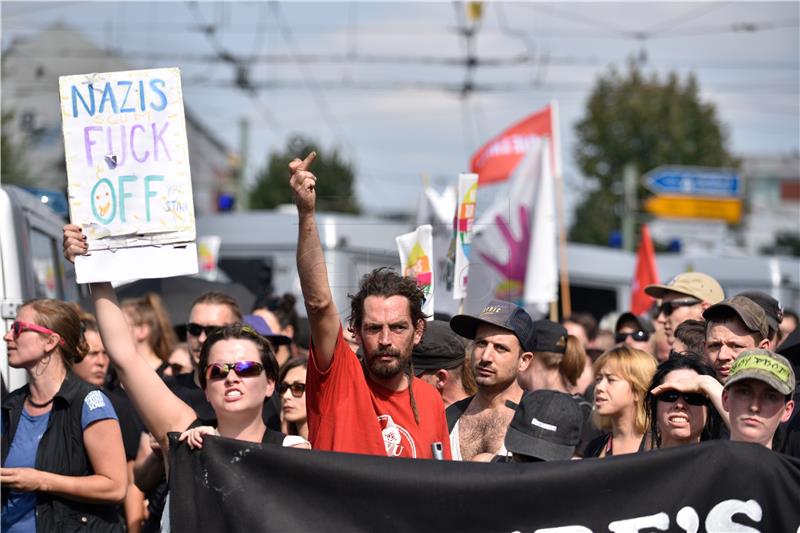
x,y
323,318
160,410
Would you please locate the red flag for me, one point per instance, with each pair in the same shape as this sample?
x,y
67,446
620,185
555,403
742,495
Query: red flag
x,y
496,160
646,274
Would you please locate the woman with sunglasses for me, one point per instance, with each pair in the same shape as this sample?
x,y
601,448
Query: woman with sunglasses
x,y
679,418
292,391
622,378
63,457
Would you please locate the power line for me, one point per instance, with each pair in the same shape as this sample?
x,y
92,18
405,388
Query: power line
x,y
308,79
391,59
693,14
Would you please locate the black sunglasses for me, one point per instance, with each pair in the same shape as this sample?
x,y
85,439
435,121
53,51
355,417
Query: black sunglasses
x,y
668,307
243,369
197,329
639,336
692,398
297,388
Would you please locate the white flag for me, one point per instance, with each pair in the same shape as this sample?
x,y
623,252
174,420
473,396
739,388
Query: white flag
x,y
416,253
502,245
465,218
541,278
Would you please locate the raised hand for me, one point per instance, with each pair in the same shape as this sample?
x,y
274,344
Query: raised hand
x,y
74,242
303,184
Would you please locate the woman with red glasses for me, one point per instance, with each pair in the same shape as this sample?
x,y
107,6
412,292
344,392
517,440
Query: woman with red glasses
x,y
679,405
63,458
292,391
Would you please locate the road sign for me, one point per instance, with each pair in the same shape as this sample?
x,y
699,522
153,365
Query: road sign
x,y
694,181
727,209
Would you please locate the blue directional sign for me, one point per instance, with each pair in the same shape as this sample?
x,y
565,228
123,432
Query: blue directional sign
x,y
694,181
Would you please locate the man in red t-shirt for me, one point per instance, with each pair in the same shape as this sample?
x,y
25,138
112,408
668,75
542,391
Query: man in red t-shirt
x,y
375,407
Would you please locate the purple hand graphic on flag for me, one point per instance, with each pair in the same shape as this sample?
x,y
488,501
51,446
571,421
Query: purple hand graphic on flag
x,y
513,270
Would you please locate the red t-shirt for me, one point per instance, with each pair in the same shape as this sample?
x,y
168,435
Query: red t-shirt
x,y
348,412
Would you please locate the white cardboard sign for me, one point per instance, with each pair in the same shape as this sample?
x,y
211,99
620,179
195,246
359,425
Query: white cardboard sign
x,y
129,184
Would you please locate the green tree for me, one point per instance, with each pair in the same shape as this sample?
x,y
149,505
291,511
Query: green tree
x,y
12,156
641,120
334,187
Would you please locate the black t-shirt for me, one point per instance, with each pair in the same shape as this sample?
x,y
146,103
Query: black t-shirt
x,y
129,422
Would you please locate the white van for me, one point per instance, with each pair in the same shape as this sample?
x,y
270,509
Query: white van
x,y
31,263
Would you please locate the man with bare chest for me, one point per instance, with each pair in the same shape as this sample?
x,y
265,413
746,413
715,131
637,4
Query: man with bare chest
x,y
503,335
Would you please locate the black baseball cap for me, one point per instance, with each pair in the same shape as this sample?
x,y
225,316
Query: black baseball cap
x,y
499,313
549,336
546,425
642,323
440,348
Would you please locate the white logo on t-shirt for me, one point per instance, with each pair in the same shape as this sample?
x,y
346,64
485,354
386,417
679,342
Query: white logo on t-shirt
x,y
94,400
395,437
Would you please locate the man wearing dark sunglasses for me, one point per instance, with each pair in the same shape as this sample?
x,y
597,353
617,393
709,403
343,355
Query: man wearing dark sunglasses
x,y
685,297
209,312
376,407
634,331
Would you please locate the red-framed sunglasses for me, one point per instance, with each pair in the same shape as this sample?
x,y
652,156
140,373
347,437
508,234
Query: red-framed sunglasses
x,y
18,327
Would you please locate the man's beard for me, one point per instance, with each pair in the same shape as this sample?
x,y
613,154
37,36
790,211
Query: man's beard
x,y
386,369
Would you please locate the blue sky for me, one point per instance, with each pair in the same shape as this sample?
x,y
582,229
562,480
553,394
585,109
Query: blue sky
x,y
399,118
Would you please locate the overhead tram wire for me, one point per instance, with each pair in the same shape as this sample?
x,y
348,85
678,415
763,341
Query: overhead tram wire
x,y
241,68
308,79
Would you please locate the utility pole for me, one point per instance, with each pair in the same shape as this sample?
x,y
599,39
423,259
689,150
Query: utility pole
x,y
242,196
630,206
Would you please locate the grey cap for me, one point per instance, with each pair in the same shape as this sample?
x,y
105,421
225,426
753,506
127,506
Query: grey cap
x,y
750,313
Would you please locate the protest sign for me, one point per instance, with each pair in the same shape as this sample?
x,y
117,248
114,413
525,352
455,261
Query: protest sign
x,y
129,184
416,251
713,487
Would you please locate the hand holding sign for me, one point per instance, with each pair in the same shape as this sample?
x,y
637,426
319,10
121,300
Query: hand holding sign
x,y
303,183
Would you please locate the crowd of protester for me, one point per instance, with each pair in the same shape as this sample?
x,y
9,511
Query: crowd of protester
x,y
86,442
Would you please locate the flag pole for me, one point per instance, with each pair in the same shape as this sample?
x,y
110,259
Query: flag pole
x,y
566,300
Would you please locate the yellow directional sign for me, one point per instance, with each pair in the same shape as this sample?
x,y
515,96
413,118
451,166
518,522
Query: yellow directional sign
x,y
727,209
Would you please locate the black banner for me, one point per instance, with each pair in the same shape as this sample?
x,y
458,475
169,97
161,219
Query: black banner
x,y
713,487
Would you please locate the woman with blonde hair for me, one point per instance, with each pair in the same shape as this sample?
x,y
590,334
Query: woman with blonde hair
x,y
622,381
63,458
151,328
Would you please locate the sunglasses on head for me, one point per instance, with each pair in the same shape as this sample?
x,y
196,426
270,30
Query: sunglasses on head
x,y
638,336
18,327
668,307
243,369
297,388
692,398
196,329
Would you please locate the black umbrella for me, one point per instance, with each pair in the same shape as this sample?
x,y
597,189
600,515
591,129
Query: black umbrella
x,y
179,292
